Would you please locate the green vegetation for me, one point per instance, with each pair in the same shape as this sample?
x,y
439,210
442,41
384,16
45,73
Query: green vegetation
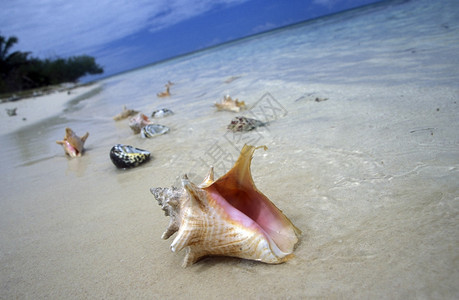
x,y
20,72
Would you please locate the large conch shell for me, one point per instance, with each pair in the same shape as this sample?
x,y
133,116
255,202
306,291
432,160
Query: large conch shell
x,y
228,217
73,144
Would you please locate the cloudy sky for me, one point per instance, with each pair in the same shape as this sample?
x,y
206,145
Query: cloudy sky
x,y
125,34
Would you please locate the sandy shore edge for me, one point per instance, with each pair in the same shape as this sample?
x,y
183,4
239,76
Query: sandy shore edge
x,y
34,109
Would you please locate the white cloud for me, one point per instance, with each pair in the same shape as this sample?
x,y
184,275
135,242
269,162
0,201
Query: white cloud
x,y
66,27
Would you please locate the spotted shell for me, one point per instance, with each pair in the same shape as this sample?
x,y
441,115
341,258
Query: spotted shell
x,y
243,124
227,217
125,156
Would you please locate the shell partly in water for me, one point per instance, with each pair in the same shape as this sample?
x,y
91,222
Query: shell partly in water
x,y
125,156
138,122
243,124
152,130
126,113
227,217
161,113
231,105
73,145
167,93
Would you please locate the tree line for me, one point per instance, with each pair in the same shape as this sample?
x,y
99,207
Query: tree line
x,y
19,71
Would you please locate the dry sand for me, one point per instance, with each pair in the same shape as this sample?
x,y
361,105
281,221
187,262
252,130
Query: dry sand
x,y
34,109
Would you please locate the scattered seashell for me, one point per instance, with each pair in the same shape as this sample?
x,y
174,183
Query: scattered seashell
x,y
11,111
167,92
161,113
72,144
231,105
232,78
138,122
125,114
243,124
311,97
125,156
227,217
152,130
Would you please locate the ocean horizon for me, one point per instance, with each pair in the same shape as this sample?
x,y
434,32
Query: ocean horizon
x,y
334,17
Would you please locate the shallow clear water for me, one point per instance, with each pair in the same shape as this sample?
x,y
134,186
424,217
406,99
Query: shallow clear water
x,y
370,175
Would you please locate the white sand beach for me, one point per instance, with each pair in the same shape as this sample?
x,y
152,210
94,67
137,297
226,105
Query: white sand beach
x,y
34,109
370,175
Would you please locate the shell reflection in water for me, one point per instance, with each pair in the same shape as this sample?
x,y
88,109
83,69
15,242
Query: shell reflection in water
x,y
227,217
152,130
125,156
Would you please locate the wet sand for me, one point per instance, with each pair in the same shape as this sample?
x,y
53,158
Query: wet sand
x,y
378,210
370,176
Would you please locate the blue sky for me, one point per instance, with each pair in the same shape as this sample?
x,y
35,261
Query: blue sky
x,y
125,34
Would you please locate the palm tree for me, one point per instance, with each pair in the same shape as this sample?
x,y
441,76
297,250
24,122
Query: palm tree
x,y
7,60
18,71
10,73
5,46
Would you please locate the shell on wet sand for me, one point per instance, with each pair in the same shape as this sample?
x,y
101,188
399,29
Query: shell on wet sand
x,y
161,113
126,156
167,93
227,217
243,124
138,122
126,113
11,111
152,130
73,145
231,105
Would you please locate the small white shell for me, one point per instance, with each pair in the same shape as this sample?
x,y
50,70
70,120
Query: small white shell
x,y
152,130
161,113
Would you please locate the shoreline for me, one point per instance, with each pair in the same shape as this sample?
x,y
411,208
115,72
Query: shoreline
x,y
35,109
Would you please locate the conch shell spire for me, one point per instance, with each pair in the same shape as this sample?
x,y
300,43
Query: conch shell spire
x,y
73,145
229,217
